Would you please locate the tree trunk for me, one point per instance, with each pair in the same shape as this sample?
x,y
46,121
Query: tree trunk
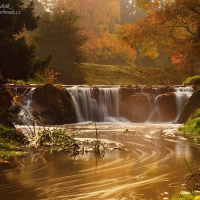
x,y
197,34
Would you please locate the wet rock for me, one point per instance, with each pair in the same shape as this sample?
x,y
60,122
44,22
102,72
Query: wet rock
x,y
167,106
137,107
196,81
190,107
53,105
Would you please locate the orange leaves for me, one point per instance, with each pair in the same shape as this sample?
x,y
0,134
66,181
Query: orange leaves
x,y
98,21
176,58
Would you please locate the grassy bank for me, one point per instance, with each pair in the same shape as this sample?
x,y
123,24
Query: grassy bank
x,y
185,197
192,126
10,140
96,74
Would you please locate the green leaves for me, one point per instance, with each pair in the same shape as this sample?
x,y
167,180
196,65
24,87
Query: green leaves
x,y
18,59
60,35
150,51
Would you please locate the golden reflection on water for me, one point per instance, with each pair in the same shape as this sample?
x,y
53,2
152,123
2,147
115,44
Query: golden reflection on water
x,y
151,167
182,150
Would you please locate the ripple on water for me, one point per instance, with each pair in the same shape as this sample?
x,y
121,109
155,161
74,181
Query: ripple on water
x,y
148,168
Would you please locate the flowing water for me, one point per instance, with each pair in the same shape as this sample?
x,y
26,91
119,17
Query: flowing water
x,y
150,165
106,104
141,161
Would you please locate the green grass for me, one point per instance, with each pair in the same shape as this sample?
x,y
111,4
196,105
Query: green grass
x,y
36,80
8,148
187,81
192,80
96,74
8,145
116,75
185,197
192,126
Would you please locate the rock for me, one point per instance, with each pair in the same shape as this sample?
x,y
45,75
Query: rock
x,y
53,105
167,106
5,104
192,80
190,107
137,107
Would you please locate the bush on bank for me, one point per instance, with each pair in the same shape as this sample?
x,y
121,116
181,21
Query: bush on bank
x,y
190,116
190,108
185,197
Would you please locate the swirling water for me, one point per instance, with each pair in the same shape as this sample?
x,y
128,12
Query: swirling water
x,y
151,166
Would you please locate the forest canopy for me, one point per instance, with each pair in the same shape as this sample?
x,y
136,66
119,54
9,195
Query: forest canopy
x,y
171,25
18,59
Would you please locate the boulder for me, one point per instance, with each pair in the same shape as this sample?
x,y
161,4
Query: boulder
x,y
136,107
167,106
53,105
190,107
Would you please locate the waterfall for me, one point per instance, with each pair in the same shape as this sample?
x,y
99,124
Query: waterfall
x,y
182,95
155,114
106,104
95,104
26,110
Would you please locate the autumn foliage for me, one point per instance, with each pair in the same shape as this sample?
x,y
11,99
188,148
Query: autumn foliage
x,y
171,25
98,20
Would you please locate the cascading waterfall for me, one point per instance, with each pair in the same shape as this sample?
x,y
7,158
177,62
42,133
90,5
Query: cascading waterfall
x,y
182,95
104,104
26,110
155,112
108,103
95,105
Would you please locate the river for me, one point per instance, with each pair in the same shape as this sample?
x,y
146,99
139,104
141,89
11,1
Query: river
x,y
143,161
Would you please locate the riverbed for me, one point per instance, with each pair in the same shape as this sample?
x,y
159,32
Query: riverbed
x,y
142,161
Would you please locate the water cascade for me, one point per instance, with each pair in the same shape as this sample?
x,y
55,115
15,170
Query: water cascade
x,y
95,104
135,104
182,95
26,110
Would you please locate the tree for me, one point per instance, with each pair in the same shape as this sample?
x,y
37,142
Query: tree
x,y
59,33
38,7
18,59
98,21
171,25
129,11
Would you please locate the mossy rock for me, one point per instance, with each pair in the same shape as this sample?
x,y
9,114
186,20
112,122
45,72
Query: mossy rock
x,y
190,107
192,80
12,134
56,103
